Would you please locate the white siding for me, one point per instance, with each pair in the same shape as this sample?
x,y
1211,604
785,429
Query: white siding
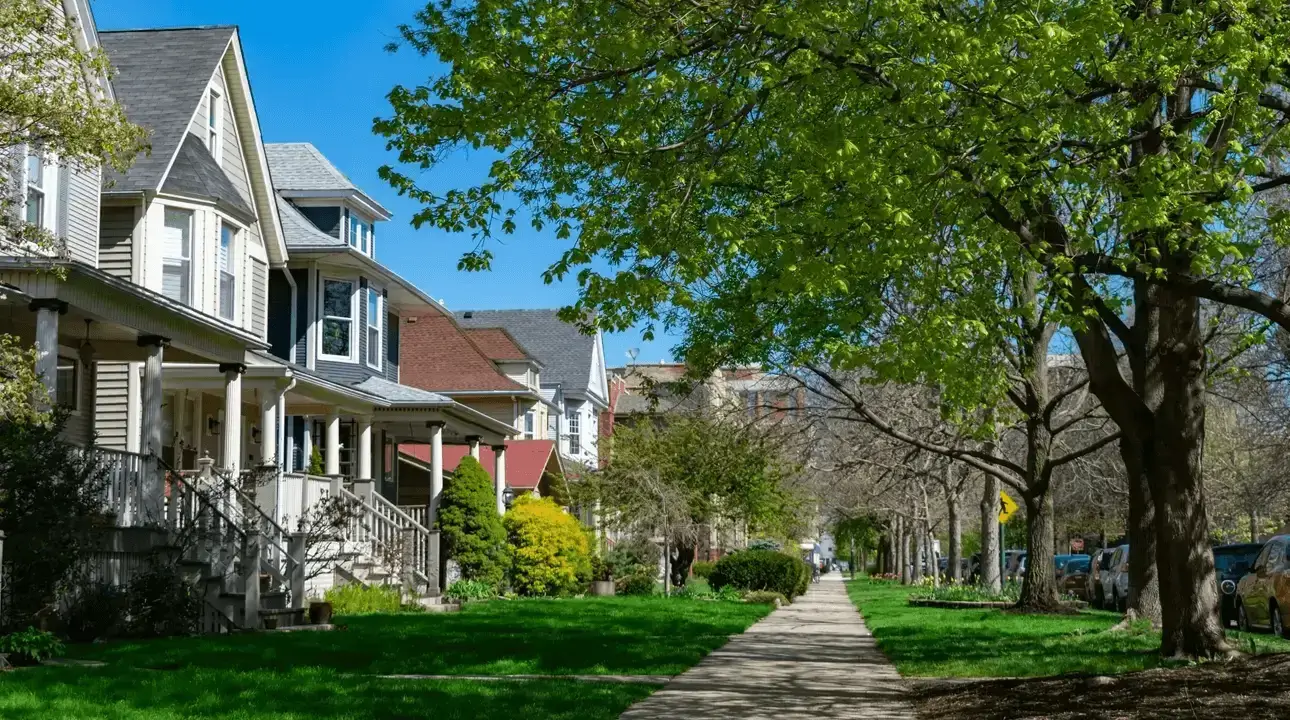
x,y
81,231
111,401
116,240
258,307
233,162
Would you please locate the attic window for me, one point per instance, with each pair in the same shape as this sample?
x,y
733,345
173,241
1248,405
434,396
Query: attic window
x,y
468,314
214,123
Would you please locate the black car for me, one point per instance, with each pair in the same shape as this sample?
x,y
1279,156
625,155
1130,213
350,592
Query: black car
x,y
1231,563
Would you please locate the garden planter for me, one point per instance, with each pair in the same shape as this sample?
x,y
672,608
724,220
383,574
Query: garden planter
x,y
271,622
319,613
602,588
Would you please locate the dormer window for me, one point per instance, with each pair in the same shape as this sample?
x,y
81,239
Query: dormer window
x,y
374,315
360,235
214,124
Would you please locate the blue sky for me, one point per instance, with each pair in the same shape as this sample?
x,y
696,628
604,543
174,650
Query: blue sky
x,y
320,73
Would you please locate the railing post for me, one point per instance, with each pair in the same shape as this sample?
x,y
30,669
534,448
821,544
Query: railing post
x,y
431,567
252,549
336,481
407,561
365,488
296,553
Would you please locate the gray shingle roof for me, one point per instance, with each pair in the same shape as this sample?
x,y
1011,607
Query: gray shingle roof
x,y
299,232
401,394
300,166
195,173
565,353
160,78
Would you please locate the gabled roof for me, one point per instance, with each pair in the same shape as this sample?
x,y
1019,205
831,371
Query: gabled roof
x,y
196,174
526,460
438,355
565,353
498,345
160,78
300,170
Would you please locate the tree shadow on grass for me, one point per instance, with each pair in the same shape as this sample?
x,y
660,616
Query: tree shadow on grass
x,y
109,693
593,636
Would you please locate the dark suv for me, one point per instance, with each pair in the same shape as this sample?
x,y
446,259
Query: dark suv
x,y
1231,563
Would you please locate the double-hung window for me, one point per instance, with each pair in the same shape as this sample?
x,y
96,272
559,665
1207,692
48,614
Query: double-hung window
x,y
338,319
67,385
360,234
575,432
374,315
177,255
36,191
213,122
227,271
529,417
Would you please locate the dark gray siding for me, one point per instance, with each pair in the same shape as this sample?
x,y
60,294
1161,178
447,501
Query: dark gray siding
x,y
116,240
391,347
301,340
280,340
360,326
326,219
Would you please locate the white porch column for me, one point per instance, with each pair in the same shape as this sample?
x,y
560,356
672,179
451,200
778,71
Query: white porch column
x,y
473,442
231,429
306,443
436,470
153,490
364,448
47,312
269,426
499,477
331,448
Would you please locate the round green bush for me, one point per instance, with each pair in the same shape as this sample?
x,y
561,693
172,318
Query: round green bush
x,y
762,570
702,569
641,580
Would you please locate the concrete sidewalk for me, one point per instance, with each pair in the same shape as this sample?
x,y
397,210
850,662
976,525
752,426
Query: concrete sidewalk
x,y
812,659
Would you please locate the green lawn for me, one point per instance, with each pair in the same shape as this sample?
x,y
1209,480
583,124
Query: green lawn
x,y
262,676
932,642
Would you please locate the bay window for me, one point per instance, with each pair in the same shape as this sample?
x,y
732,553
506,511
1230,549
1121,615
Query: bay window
x,y
337,319
374,315
177,255
227,271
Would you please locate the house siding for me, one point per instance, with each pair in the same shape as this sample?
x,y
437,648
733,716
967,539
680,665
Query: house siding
x,y
259,282
116,241
326,219
301,340
80,231
279,311
111,401
233,162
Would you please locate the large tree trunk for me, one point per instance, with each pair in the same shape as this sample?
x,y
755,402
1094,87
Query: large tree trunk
x,y
991,578
683,558
956,537
1254,525
1039,587
1191,626
1144,583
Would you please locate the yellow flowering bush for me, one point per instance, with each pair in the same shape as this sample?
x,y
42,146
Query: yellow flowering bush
x,y
550,552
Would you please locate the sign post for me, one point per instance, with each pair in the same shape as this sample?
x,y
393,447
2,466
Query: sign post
x,y
1008,506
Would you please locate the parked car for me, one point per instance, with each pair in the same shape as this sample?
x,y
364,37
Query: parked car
x,y
1014,564
1231,563
1060,562
1075,575
1115,581
1100,563
1263,595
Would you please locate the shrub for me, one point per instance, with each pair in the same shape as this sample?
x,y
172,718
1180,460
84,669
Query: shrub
x,y
161,603
97,612
467,590
631,553
701,591
762,570
765,596
702,569
355,599
550,552
601,569
641,580
30,646
470,529
952,592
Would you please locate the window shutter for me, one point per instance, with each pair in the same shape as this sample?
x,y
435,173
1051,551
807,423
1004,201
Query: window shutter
x,y
63,177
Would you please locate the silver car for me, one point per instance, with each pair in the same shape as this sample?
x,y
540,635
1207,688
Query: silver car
x,y
1115,581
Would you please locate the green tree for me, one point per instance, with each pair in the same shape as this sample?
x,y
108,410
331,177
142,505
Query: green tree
x,y
470,530
763,176
857,536
678,476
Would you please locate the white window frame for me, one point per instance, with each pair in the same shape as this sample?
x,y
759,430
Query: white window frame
x,y
215,131
234,257
71,404
352,356
191,259
530,424
47,188
374,293
575,430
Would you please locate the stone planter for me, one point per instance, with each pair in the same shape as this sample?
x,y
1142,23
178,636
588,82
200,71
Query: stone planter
x,y
319,613
602,588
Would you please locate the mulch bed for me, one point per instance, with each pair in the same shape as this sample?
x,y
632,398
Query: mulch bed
x,y
1250,688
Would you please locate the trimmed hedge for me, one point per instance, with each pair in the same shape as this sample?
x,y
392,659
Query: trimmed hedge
x,y
762,570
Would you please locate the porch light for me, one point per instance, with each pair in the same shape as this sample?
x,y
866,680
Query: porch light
x,y
508,496
87,348
212,425
255,434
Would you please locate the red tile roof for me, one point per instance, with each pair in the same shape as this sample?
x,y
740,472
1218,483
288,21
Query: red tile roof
x,y
437,355
497,344
526,460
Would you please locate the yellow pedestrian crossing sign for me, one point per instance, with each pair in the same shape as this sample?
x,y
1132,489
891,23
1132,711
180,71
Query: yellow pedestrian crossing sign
x,y
1009,506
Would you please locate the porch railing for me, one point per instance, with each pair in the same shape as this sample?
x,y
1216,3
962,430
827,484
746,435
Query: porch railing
x,y
396,541
125,496
420,514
